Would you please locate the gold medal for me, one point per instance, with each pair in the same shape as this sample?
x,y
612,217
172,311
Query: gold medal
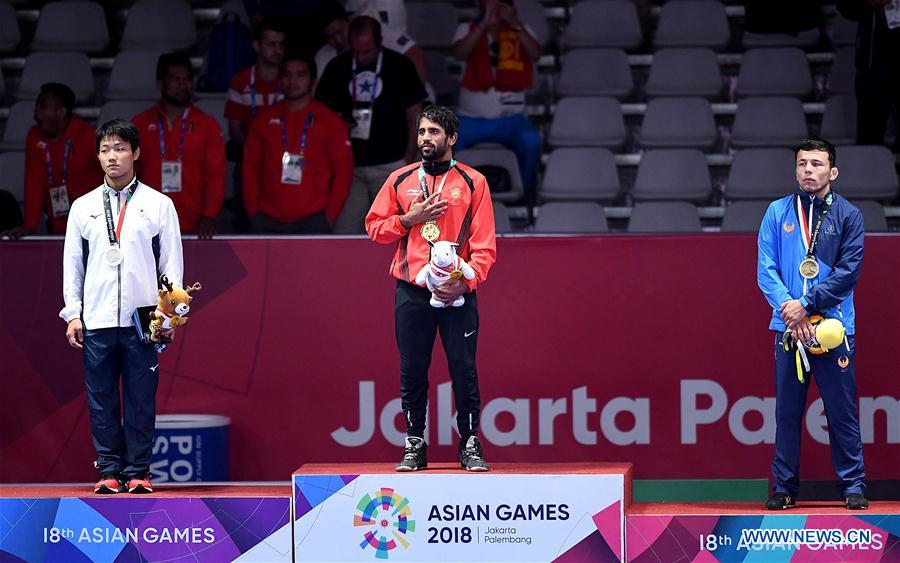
x,y
430,231
456,274
809,268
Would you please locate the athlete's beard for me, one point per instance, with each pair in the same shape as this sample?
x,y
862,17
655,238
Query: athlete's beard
x,y
437,154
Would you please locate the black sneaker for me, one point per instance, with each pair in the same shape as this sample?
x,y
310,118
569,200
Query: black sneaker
x,y
856,501
414,455
470,456
780,501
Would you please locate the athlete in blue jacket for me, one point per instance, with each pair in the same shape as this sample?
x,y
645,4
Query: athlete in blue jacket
x,y
810,253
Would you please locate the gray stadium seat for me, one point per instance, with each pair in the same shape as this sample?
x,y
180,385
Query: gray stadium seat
x,y
444,84
133,76
9,28
587,122
692,23
580,174
774,72
843,31
672,174
842,78
744,216
839,120
20,120
684,72
768,122
866,172
122,109
215,108
595,72
873,215
72,69
159,24
496,156
531,13
571,217
12,173
71,26
501,218
761,173
432,24
678,122
804,39
604,23
664,217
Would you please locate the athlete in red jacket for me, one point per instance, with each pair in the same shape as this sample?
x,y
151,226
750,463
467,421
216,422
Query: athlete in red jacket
x,y
438,199
182,149
298,162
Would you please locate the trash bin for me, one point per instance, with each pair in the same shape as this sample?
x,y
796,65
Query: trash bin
x,y
190,447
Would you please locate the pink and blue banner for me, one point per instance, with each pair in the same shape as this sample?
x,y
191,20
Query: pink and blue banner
x,y
127,528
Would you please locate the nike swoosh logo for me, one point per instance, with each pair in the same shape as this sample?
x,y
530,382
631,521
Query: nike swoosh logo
x,y
468,334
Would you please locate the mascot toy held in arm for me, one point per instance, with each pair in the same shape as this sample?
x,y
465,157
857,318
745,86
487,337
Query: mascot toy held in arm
x,y
444,265
172,307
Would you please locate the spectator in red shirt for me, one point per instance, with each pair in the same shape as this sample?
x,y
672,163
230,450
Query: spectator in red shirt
x,y
256,88
60,164
182,149
298,162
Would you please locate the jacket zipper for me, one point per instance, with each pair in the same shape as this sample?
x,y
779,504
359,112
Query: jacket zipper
x,y
119,274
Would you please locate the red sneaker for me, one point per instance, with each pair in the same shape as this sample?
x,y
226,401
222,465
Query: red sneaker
x,y
109,485
140,486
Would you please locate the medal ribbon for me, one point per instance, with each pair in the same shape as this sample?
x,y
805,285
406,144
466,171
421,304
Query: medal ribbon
x,y
162,134
374,86
424,184
114,234
810,240
49,161
306,125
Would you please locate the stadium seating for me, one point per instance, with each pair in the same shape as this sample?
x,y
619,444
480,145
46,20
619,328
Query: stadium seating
x,y
571,217
580,174
664,217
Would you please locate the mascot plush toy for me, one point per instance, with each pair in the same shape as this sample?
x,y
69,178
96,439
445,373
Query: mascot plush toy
x,y
828,334
444,265
172,307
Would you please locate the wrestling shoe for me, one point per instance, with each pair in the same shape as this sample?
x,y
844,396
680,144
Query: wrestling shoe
x,y
109,484
856,501
140,486
414,455
470,456
780,501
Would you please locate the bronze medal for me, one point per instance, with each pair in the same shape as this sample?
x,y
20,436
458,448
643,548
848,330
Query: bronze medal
x,y
431,232
809,268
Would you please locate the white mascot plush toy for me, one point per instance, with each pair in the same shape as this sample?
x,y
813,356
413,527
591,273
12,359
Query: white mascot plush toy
x,y
444,265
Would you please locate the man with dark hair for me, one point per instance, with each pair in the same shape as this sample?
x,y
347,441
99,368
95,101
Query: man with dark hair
x,y
121,237
298,163
183,151
60,165
438,199
810,253
379,94
256,88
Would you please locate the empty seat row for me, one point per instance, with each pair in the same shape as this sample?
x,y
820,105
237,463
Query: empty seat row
x,y
81,26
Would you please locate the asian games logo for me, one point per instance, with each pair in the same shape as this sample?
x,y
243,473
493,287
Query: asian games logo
x,y
389,518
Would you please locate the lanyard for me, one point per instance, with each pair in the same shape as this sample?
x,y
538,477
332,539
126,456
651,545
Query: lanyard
x,y
424,184
162,134
810,240
306,126
49,160
253,91
114,234
375,85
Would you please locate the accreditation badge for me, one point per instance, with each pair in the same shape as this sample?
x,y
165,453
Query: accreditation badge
x,y
59,200
809,268
292,168
171,176
362,128
431,232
